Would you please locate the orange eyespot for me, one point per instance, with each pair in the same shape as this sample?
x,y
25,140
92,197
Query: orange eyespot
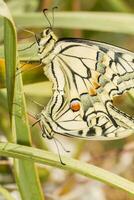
x,y
92,91
75,105
96,84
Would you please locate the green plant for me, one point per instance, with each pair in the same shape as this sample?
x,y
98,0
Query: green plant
x,y
25,157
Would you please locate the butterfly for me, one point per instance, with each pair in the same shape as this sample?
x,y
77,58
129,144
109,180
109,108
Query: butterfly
x,y
86,76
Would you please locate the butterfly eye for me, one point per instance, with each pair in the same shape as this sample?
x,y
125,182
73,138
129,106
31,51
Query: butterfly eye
x,y
75,105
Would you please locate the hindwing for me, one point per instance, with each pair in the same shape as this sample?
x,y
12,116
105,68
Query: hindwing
x,y
86,75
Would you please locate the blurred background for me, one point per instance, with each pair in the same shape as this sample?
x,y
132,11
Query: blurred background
x,y
115,156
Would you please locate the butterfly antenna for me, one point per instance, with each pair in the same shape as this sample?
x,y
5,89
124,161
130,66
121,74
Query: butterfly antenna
x,y
53,11
55,141
44,11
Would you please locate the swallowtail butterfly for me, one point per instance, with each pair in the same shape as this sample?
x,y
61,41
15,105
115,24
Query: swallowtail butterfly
x,y
86,75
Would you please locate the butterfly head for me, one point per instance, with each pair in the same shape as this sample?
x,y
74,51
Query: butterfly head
x,y
46,36
46,43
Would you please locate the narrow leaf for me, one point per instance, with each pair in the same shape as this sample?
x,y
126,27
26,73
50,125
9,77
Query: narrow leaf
x,y
72,165
10,52
100,21
25,171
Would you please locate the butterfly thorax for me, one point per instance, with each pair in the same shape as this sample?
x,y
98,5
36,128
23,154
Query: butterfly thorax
x,y
46,46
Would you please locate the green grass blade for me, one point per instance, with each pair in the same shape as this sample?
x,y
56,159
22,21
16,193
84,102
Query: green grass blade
x,y
100,21
25,171
118,6
72,165
26,174
10,52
